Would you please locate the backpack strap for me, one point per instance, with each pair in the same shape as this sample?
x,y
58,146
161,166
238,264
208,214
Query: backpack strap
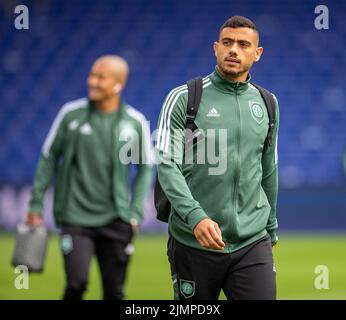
x,y
271,110
194,89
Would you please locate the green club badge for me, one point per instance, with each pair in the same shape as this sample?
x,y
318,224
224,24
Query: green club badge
x,y
187,288
257,111
66,243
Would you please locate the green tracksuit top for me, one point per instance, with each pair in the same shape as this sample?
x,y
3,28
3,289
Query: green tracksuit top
x,y
239,190
83,148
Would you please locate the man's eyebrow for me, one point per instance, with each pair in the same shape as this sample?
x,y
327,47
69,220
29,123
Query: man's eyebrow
x,y
240,40
226,38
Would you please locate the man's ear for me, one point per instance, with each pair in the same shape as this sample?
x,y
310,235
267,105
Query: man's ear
x,y
216,46
258,54
117,88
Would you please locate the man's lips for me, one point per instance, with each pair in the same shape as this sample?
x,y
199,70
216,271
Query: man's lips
x,y
232,60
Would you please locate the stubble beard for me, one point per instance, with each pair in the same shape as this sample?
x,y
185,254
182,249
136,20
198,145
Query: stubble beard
x,y
233,73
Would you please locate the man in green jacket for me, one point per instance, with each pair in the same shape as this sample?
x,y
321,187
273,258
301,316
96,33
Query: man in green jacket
x,y
89,149
223,220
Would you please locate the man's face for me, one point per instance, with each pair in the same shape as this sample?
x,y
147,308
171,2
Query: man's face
x,y
101,82
237,50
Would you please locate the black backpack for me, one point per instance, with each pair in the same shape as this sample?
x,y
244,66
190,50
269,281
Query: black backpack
x,y
195,88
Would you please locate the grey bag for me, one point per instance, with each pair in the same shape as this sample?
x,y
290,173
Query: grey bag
x,y
31,247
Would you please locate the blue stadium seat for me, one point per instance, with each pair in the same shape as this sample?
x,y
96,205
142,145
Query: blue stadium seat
x,y
166,43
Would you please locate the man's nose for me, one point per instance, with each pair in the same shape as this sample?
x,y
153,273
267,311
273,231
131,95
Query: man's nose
x,y
92,82
233,50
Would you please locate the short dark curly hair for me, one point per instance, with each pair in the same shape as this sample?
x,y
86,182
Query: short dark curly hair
x,y
239,22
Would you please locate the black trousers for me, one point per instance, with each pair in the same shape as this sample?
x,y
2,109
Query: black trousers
x,y
112,246
247,274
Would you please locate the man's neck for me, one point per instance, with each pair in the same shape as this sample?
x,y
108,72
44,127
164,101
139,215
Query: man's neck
x,y
109,105
234,78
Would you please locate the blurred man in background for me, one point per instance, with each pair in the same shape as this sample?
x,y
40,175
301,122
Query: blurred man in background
x,y
92,205
223,225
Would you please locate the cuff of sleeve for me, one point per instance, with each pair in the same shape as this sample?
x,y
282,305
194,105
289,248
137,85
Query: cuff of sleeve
x,y
195,216
37,208
134,221
273,236
135,217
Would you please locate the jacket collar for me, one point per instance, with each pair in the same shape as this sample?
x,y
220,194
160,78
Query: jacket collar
x,y
120,111
229,86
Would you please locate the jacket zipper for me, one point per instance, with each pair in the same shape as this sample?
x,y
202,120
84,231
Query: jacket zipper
x,y
237,158
114,159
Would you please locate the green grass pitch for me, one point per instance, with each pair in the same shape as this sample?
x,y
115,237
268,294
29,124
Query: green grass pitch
x,y
296,257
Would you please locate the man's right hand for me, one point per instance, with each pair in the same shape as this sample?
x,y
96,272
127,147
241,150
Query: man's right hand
x,y
208,234
33,219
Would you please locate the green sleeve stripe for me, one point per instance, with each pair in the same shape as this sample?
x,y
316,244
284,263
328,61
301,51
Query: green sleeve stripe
x,y
149,156
167,105
168,108
206,83
76,104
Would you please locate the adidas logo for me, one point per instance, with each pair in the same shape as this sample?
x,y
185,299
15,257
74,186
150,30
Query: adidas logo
x,y
85,129
73,125
213,113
